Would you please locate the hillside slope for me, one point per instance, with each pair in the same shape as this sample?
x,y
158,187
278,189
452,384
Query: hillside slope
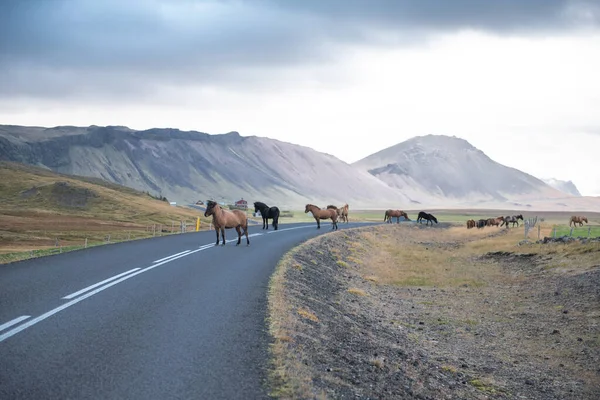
x,y
187,166
40,208
452,170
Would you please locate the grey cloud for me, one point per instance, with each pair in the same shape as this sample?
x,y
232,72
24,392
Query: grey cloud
x,y
66,47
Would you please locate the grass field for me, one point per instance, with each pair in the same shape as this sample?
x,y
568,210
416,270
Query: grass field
x,y
44,212
375,310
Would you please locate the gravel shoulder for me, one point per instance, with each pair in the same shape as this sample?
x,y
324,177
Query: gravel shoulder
x,y
405,311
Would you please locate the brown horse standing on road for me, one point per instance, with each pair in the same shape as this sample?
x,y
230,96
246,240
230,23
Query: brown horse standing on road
x,y
389,214
578,220
226,219
319,214
342,212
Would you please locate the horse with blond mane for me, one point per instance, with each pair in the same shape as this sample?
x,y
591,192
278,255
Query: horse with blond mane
x,y
578,219
319,214
225,219
342,212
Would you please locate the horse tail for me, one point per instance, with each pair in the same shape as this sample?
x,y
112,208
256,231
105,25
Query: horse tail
x,y
276,218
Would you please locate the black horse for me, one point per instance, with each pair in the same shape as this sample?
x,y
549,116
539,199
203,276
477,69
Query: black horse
x,y
514,220
267,212
428,217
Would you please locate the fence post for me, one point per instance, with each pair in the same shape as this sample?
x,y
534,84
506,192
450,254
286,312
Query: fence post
x,y
85,244
153,229
589,231
571,233
554,232
539,231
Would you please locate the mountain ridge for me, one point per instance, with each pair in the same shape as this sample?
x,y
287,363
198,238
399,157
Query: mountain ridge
x,y
190,165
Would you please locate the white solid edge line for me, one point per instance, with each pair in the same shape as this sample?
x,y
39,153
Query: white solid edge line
x,y
289,229
77,293
50,313
172,255
13,322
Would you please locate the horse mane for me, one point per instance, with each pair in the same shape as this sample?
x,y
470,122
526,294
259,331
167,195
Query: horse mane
x,y
331,206
260,204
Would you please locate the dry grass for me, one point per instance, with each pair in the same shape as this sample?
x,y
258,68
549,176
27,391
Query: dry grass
x,y
475,306
289,376
357,292
42,209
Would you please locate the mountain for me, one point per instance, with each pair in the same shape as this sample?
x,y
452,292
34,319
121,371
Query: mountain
x,y
447,169
564,186
188,166
185,166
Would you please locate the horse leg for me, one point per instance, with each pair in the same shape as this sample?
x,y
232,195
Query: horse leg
x,y
217,232
223,235
239,232
318,222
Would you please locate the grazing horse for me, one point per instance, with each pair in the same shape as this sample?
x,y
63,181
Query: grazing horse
x,y
389,214
495,221
267,212
320,214
482,223
514,220
470,224
428,217
227,219
578,220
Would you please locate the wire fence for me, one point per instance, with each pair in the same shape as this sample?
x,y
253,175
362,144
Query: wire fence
x,y
532,225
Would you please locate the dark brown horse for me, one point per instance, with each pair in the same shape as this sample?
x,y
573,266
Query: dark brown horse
x,y
226,219
389,214
320,214
470,224
575,219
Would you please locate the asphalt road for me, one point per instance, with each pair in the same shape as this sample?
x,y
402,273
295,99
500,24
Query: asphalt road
x,y
170,317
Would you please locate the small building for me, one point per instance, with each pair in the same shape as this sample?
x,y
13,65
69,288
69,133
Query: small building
x,y
173,203
242,204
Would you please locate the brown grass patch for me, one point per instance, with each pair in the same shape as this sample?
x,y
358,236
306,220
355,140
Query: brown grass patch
x,y
357,292
42,210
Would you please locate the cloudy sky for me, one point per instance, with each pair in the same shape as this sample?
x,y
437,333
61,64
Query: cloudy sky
x,y
517,78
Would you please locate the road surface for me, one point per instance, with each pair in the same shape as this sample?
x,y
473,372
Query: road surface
x,y
171,317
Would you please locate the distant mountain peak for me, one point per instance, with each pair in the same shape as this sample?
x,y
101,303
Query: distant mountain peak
x,y
564,186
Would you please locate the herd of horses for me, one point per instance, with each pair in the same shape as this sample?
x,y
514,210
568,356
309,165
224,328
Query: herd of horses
x,y
223,219
236,219
497,222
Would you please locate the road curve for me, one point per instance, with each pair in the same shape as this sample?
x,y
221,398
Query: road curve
x,y
171,317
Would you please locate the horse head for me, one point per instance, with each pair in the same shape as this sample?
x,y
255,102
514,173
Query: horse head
x,y
433,218
210,206
585,219
308,207
520,216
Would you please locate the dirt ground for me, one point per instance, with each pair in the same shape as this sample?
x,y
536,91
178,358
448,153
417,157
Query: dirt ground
x,y
403,311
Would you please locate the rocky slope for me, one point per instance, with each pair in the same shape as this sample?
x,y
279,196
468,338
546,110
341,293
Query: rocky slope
x,y
187,166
